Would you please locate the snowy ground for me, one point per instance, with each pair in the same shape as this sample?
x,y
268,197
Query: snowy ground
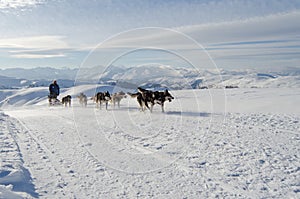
x,y
204,146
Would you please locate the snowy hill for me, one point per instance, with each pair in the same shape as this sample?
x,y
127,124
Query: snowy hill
x,y
39,95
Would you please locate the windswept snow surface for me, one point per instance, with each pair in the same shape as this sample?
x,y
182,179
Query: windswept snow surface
x,y
242,143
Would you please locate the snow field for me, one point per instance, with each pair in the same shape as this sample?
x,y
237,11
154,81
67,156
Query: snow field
x,y
194,150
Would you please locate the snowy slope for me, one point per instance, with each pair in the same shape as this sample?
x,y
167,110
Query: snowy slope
x,y
38,96
243,143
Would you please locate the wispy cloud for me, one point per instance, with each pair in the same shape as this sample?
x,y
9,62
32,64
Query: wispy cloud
x,y
7,4
36,56
260,41
35,42
257,42
279,26
46,46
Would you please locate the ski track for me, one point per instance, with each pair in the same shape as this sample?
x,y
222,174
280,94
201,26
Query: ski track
x,y
247,156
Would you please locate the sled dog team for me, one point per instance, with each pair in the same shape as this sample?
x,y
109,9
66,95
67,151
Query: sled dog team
x,y
145,98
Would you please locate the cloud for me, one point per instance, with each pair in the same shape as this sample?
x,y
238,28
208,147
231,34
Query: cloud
x,y
258,28
45,46
37,56
7,4
274,29
35,42
255,42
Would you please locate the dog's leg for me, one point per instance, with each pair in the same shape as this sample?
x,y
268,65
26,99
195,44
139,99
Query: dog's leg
x,y
106,103
143,106
162,108
140,101
151,107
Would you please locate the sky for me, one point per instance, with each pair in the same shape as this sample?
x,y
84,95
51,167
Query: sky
x,y
245,34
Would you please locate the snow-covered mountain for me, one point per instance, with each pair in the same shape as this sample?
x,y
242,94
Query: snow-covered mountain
x,y
151,76
187,78
46,73
17,83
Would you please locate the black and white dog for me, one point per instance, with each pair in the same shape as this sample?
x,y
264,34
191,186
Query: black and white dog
x,y
102,98
66,100
143,103
146,97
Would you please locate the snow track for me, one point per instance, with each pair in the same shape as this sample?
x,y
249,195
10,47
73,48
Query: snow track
x,y
38,157
15,179
60,160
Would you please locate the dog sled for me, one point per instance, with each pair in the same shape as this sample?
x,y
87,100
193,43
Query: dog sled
x,y
53,101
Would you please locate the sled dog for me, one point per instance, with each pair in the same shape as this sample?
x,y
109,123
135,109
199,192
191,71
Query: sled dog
x,y
146,97
82,99
143,104
102,98
117,97
66,100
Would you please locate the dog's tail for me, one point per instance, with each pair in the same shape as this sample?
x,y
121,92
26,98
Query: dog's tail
x,y
133,95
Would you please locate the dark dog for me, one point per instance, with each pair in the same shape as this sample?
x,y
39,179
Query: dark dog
x,y
102,98
66,100
143,103
82,99
146,97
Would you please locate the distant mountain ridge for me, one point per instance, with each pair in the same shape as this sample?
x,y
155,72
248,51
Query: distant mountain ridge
x,y
149,76
40,73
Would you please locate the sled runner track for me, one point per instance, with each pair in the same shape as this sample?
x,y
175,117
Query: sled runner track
x,y
93,177
39,147
90,156
13,136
